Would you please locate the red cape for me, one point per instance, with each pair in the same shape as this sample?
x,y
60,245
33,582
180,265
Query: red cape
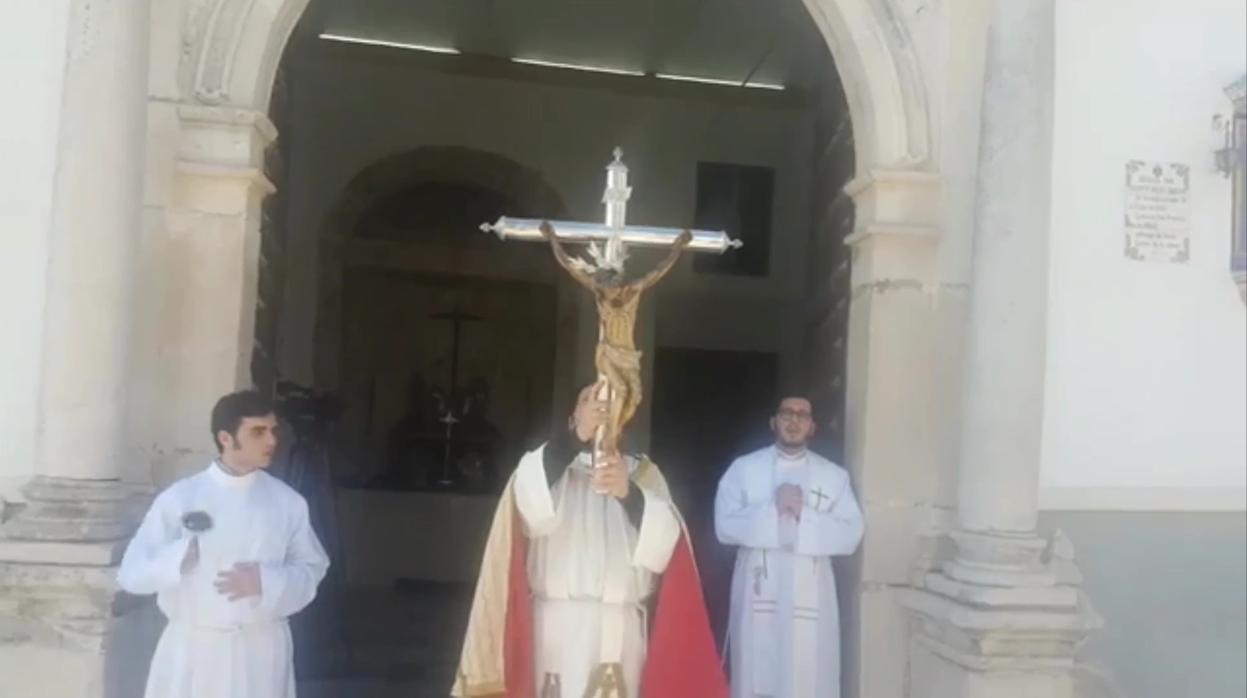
x,y
681,661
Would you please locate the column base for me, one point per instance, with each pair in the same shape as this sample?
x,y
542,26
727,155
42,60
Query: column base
x,y
65,627
60,509
1004,619
58,558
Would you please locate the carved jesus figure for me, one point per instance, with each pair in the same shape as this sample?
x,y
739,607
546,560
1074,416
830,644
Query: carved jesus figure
x,y
617,358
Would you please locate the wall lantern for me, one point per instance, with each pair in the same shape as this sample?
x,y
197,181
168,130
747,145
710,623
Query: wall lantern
x,y
1231,161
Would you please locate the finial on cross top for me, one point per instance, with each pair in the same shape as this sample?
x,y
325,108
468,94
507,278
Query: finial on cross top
x,y
617,192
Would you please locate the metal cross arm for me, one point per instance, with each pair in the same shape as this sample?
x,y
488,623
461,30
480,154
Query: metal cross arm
x,y
614,227
529,229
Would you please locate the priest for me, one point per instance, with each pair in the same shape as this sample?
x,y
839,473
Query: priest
x,y
788,511
230,554
579,554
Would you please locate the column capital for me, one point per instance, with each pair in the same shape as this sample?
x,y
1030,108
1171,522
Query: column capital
x,y
896,230
224,135
904,202
220,158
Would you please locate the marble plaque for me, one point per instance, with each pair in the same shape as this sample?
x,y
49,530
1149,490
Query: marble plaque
x,y
1158,212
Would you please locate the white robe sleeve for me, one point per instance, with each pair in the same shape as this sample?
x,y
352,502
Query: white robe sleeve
x,y
830,526
744,513
287,586
660,529
532,495
153,560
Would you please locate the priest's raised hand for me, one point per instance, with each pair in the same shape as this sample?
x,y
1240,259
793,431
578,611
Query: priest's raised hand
x,y
611,477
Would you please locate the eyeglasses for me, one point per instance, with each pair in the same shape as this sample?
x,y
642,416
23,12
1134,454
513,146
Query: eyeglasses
x,y
795,415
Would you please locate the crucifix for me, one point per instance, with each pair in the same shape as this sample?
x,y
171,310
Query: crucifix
x,y
617,360
448,418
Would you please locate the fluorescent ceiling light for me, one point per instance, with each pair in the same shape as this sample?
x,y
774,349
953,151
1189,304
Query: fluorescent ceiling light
x,y
718,81
574,66
365,41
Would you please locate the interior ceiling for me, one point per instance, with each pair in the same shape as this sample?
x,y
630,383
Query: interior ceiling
x,y
772,41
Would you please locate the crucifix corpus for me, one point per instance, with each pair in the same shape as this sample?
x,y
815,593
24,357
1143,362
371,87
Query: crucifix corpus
x,y
617,359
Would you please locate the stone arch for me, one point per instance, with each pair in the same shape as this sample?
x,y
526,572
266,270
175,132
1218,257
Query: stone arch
x,y
444,164
231,51
878,68
391,175
233,48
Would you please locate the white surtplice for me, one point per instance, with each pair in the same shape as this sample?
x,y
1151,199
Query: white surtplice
x,y
590,570
785,627
213,647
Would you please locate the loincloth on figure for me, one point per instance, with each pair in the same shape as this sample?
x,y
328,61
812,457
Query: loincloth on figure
x,y
622,368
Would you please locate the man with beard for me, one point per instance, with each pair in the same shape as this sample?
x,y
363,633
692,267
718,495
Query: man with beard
x,y
788,510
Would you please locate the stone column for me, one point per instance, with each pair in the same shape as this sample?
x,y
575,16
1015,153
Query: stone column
x,y
56,555
1005,360
1004,617
92,242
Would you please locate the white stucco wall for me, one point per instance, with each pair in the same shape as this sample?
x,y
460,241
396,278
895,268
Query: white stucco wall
x,y
1146,399
31,65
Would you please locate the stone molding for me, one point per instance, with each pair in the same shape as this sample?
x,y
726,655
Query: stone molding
x,y
58,561
883,83
224,136
897,229
890,202
50,603
231,49
1004,603
79,511
220,158
216,29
